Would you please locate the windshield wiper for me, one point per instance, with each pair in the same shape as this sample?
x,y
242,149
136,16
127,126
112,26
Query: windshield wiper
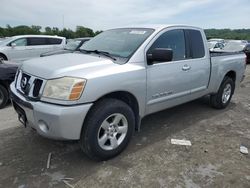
x,y
107,54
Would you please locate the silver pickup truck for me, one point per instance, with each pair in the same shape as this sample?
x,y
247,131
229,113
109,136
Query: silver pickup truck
x,y
100,94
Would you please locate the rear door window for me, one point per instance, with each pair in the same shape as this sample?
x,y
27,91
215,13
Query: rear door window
x,y
53,41
195,42
37,41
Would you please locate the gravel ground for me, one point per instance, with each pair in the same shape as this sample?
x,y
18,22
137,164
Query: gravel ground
x,y
213,160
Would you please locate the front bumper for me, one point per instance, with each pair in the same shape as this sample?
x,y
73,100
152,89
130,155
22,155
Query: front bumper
x,y
50,120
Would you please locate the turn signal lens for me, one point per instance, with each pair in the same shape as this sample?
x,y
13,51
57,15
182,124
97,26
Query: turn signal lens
x,y
76,91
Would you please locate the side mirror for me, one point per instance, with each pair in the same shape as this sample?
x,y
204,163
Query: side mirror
x,y
160,55
247,49
13,45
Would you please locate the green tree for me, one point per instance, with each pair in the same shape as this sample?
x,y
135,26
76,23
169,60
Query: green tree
x,y
98,32
67,33
238,34
55,31
84,32
36,29
48,31
81,31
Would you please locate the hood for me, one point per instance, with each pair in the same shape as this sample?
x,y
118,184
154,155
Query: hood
x,y
55,52
8,71
73,64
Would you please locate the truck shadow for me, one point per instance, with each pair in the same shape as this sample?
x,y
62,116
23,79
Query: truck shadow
x,y
170,121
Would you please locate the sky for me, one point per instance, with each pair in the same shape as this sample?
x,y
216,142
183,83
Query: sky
x,y
106,14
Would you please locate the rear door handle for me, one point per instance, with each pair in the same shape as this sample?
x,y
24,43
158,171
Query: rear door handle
x,y
186,67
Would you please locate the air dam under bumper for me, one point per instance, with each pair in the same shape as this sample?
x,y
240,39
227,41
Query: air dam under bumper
x,y
50,120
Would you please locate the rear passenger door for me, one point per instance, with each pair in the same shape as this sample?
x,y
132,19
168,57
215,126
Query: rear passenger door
x,y
39,45
199,63
36,46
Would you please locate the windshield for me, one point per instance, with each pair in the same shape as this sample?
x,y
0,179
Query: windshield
x,y
72,44
118,42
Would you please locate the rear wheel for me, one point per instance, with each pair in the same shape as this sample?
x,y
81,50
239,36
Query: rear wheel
x,y
223,97
107,130
3,96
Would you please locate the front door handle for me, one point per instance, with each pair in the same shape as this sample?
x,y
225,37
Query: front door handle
x,y
186,67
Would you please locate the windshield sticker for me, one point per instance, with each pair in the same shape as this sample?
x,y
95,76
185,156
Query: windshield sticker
x,y
137,32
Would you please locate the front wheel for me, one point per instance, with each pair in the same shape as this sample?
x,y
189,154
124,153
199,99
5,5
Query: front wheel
x,y
108,129
222,98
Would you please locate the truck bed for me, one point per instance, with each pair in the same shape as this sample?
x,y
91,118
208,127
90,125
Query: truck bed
x,y
221,53
224,62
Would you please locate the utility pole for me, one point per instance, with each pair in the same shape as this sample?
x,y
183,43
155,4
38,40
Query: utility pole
x,y
63,20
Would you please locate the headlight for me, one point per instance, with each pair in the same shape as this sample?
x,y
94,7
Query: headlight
x,y
66,88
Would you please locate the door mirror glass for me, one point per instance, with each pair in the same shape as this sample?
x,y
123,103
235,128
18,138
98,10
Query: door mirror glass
x,y
160,55
13,44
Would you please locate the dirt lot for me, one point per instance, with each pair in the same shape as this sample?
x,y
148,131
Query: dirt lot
x,y
213,160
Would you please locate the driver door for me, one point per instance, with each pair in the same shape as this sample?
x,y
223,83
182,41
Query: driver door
x,y
168,83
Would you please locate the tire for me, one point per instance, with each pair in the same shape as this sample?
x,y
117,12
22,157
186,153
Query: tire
x,y
221,99
98,128
2,58
4,97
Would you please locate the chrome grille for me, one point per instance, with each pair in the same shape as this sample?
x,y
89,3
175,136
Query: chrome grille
x,y
37,87
28,85
24,83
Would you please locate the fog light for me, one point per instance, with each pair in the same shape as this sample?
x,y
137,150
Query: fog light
x,y
43,126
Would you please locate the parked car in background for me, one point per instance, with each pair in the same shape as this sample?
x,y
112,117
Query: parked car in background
x,y
24,47
236,46
213,45
71,46
100,94
233,46
7,75
247,52
216,40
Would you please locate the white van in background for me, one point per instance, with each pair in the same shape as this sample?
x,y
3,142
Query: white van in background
x,y
23,47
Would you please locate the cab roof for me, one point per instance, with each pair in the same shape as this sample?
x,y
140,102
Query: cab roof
x,y
159,27
39,36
